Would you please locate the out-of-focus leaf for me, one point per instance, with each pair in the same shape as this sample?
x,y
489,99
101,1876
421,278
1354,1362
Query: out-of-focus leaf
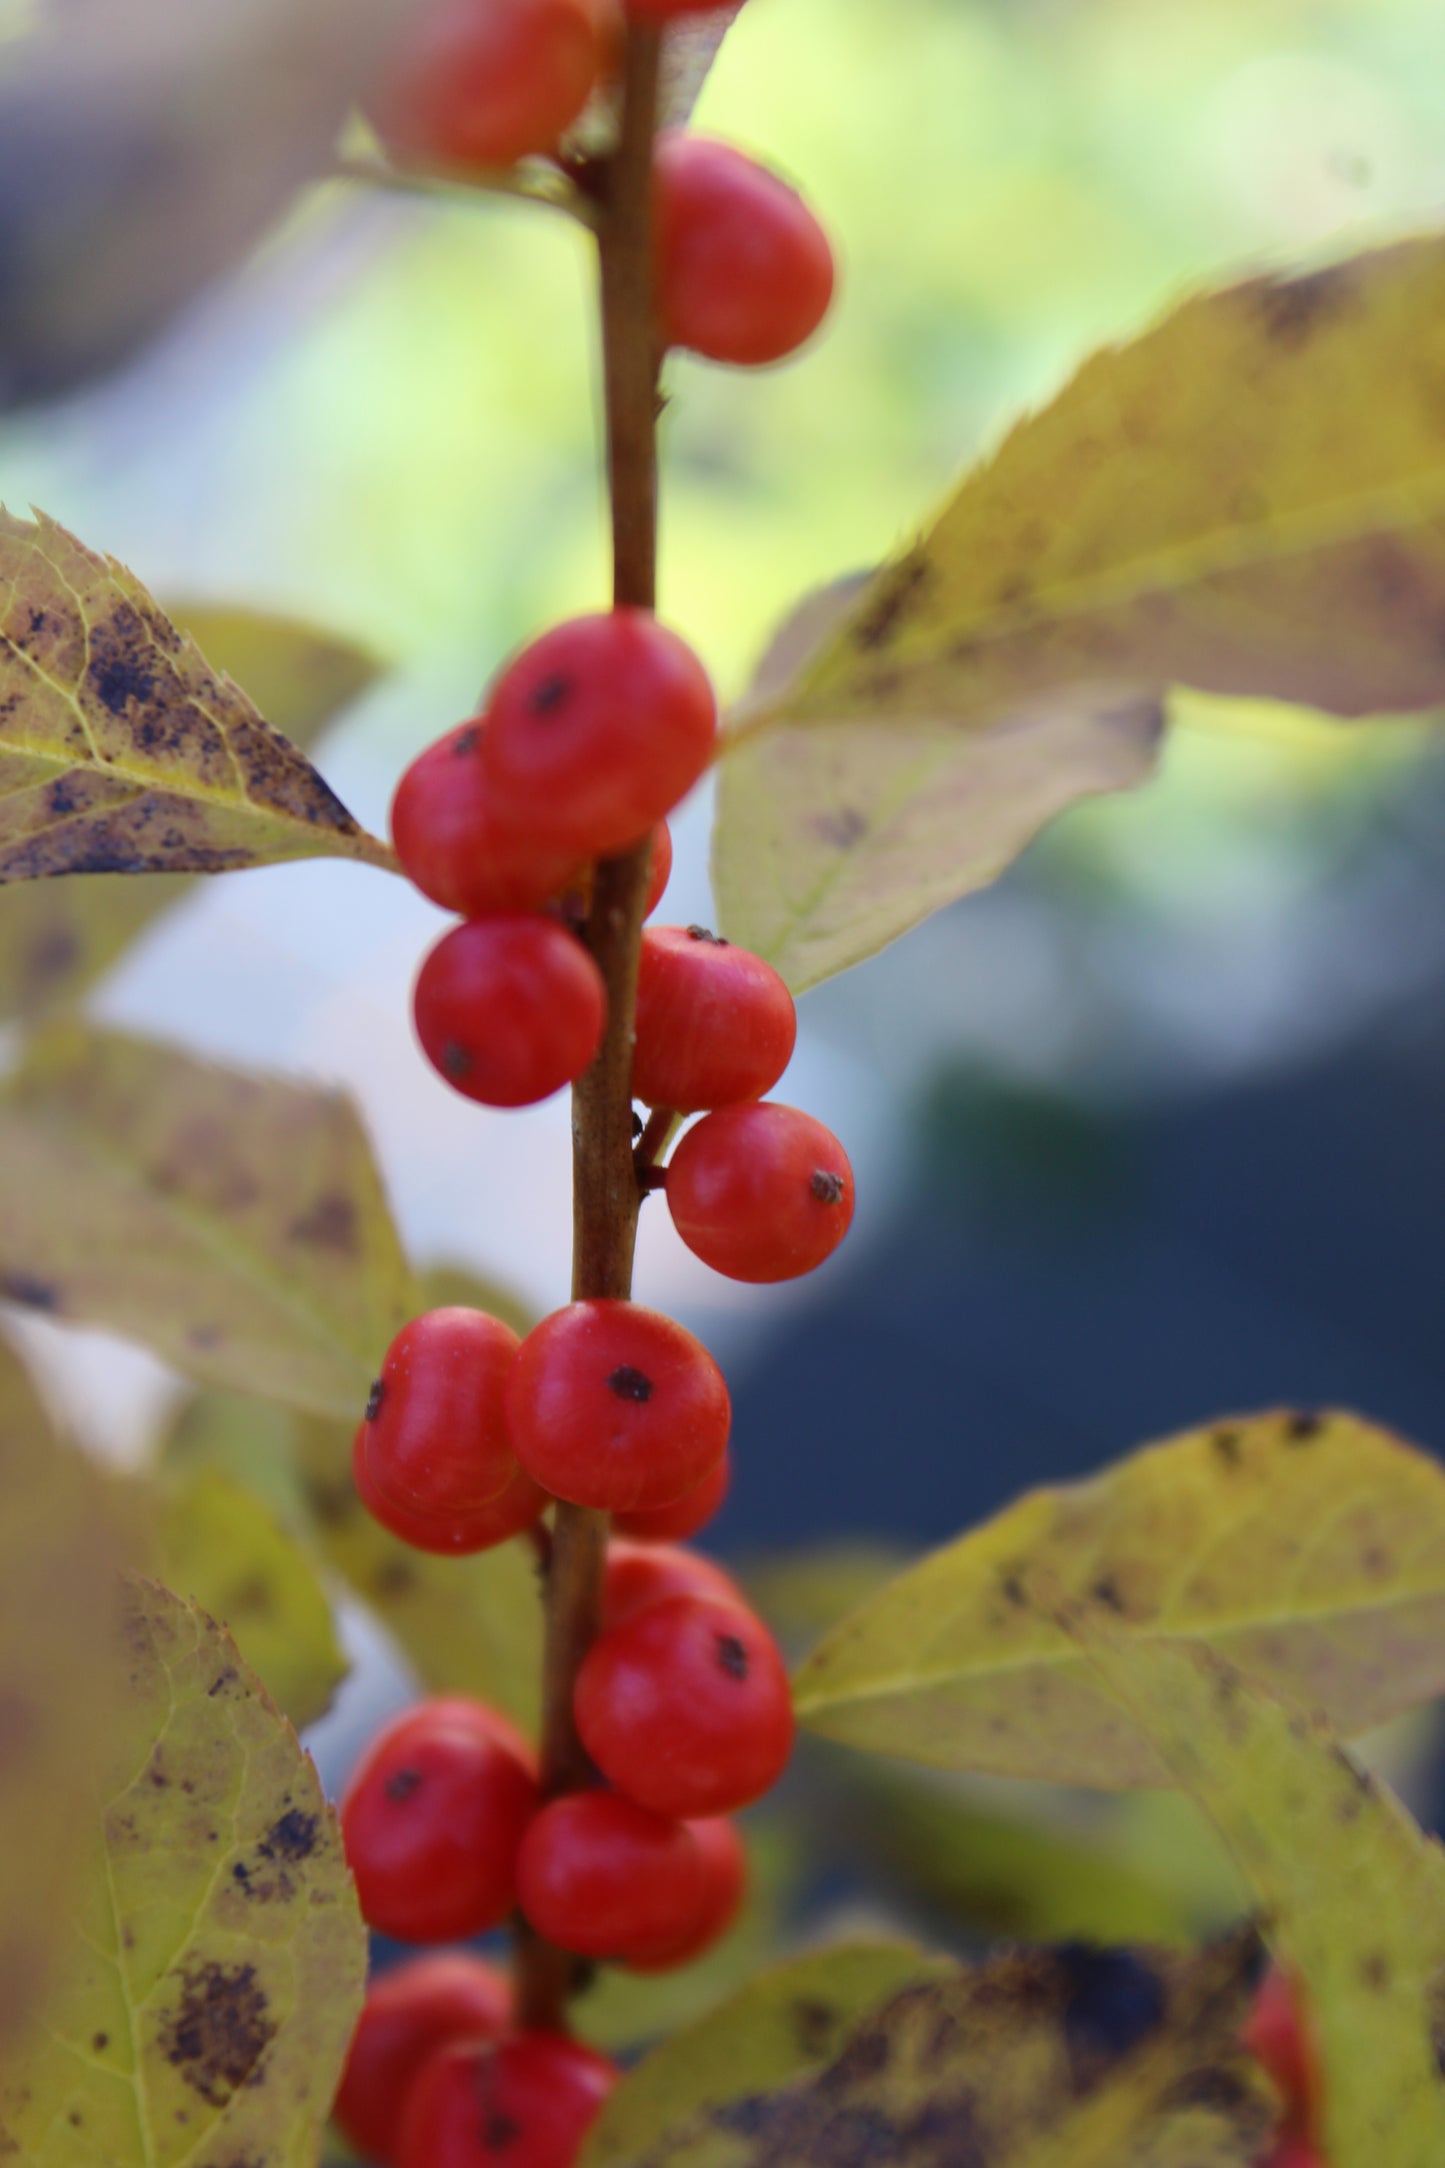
x,y
803,1594
58,937
1246,501
1076,2058
121,750
253,1442
223,1547
235,1224
65,1532
468,1625
445,1287
145,146
1310,1548
218,1955
1353,1893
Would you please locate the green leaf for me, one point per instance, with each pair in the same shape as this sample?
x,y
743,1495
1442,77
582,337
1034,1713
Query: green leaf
x,y
1075,2059
218,1953
58,937
1245,501
223,1546
121,751
1353,1893
1310,1548
235,1224
252,1442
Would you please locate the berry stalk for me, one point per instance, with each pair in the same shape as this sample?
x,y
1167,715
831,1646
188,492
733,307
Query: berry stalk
x,y
606,1193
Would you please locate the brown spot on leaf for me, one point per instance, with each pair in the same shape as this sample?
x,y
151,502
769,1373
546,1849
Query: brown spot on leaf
x,y
293,1837
1293,310
219,2030
1303,1428
897,589
329,1224
841,830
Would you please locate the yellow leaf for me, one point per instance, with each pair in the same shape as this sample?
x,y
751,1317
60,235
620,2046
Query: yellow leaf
x,y
1247,500
1354,1895
1079,2058
235,1224
121,751
218,1953
223,1546
1309,1548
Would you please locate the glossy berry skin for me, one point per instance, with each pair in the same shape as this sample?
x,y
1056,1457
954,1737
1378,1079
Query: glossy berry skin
x,y
715,1024
432,1821
616,1406
1276,2035
409,2013
435,1434
486,82
602,1876
685,1707
675,1523
641,1574
459,1535
724,1886
509,1010
596,731
527,2102
455,848
760,1193
744,270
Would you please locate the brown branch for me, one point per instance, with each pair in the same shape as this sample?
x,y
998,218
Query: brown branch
x,y
606,1195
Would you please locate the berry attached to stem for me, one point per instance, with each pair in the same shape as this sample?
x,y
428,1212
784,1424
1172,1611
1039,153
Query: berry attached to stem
x,y
601,1876
485,82
435,1436
745,273
527,2102
509,1010
409,2013
715,1024
760,1193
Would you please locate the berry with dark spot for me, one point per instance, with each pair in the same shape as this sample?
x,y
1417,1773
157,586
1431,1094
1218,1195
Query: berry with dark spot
x,y
604,1877
676,1523
484,85
587,1439
685,1707
760,1193
526,2102
409,2013
715,1024
454,847
435,1438
456,1535
724,1886
641,1574
510,1009
745,274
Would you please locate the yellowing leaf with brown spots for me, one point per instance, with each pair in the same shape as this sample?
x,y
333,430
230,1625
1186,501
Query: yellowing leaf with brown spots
x,y
1079,2058
1353,1893
121,750
217,1951
1308,1548
235,1224
1248,500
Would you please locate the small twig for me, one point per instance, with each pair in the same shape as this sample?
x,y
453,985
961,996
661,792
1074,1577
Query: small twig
x,y
534,181
651,1145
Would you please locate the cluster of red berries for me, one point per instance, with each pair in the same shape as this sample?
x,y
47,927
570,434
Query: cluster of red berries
x,y
1277,2034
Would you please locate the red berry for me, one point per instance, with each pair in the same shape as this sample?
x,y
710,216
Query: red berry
x,y
453,846
433,1819
1276,2033
760,1193
724,1886
409,2013
615,1406
510,1009
745,272
675,1523
435,1434
597,730
486,82
468,1714
639,1574
685,1707
527,2102
659,873
714,1024
600,1875
458,1536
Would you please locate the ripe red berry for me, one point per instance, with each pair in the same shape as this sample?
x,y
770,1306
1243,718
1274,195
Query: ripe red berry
x,y
435,1434
715,1024
527,2102
724,1886
639,1574
481,1528
409,2013
509,1010
454,847
612,1405
597,730
433,1819
685,1707
1277,2034
761,1193
486,82
600,1875
659,873
675,1523
745,272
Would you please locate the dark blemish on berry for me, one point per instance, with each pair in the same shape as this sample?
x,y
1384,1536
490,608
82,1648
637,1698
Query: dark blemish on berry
x,y
705,933
375,1398
630,1384
33,1294
1226,1445
1303,1428
219,2031
827,1188
403,1784
329,1224
456,1061
293,1837
551,694
466,742
732,1656
500,2132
